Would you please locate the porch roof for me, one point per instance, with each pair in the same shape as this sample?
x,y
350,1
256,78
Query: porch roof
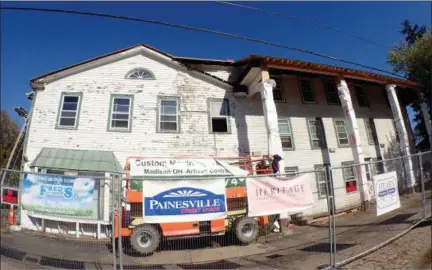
x,y
78,160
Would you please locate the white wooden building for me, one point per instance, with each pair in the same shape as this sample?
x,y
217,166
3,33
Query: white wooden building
x,y
140,101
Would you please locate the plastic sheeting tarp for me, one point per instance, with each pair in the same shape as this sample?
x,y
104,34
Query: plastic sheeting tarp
x,y
353,134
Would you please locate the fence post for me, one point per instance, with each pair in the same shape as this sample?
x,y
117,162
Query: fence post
x,y
120,217
114,249
331,208
422,186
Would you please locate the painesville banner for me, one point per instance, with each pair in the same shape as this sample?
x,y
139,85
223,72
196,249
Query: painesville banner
x,y
386,192
58,195
273,195
184,200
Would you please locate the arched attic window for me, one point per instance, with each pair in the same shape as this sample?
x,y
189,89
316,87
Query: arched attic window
x,y
140,74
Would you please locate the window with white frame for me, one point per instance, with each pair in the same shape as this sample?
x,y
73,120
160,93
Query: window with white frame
x,y
140,74
291,172
69,110
219,116
331,92
341,132
285,133
278,94
316,133
371,131
361,96
168,115
349,176
369,168
121,112
306,90
320,176
374,167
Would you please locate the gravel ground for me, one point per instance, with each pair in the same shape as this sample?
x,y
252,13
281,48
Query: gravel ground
x,y
408,252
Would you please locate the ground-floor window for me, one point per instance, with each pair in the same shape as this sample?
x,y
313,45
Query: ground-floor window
x,y
349,176
320,177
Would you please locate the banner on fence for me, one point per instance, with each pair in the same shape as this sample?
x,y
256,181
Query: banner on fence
x,y
153,167
9,196
182,201
271,195
58,195
386,192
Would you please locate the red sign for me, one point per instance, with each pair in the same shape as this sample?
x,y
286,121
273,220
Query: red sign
x,y
9,196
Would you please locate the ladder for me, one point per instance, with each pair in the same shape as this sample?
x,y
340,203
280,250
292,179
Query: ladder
x,y
12,161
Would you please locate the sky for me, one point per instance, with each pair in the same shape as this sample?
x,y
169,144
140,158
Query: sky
x,y
34,43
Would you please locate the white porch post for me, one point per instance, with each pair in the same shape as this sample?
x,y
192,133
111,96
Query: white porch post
x,y
274,144
427,120
354,137
401,130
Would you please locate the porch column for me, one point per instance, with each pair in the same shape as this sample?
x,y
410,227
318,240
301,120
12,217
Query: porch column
x,y
274,144
402,132
427,120
354,138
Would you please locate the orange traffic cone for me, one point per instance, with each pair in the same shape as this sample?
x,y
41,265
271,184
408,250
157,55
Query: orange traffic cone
x,y
11,215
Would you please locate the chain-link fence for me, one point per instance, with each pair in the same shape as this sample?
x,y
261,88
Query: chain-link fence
x,y
63,219
388,194
121,222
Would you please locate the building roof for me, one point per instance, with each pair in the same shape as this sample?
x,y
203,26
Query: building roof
x,y
267,60
327,69
182,60
77,160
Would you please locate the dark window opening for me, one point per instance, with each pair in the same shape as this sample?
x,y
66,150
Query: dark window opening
x,y
219,124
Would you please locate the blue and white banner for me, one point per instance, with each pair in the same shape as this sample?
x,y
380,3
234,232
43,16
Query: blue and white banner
x,y
58,195
386,192
184,200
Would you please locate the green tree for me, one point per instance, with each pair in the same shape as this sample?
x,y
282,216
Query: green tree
x,y
9,134
413,58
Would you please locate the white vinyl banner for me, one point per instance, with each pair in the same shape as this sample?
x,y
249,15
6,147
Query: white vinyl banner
x,y
155,166
184,200
386,192
272,195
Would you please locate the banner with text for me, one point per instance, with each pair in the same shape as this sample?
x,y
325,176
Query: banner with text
x,y
183,201
272,195
386,192
175,167
58,195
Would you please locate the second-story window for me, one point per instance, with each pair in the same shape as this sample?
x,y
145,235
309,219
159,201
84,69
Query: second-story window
x,y
168,115
69,110
121,113
316,133
285,133
371,131
361,96
306,90
219,116
341,132
331,92
278,94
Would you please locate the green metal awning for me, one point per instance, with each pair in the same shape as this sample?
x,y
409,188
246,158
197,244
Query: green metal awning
x,y
77,160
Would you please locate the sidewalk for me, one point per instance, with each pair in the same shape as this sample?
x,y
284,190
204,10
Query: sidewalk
x,y
306,248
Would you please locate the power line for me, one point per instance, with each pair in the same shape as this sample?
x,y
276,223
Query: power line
x,y
204,30
305,21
